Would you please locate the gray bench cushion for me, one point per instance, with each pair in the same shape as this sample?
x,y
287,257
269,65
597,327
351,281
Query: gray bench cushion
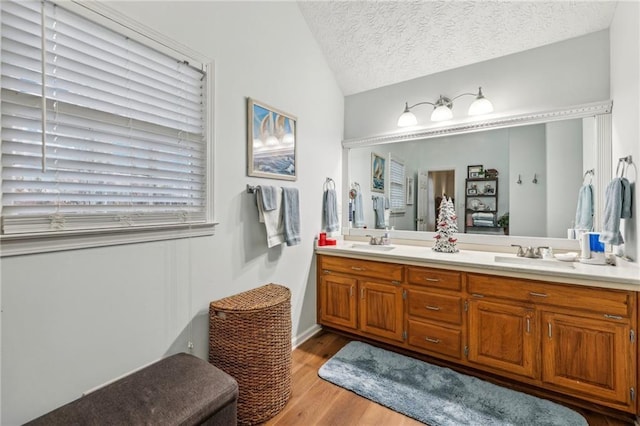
x,y
178,390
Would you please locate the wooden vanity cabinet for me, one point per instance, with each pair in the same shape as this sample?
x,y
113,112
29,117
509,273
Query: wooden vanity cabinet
x,y
583,337
503,336
435,312
576,341
589,357
361,297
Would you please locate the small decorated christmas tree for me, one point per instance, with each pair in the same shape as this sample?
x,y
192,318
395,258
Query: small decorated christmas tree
x,y
447,226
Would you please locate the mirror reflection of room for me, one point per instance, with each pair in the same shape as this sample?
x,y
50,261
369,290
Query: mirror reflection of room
x,y
555,155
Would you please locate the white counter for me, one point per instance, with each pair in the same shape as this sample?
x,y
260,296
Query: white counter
x,y
625,275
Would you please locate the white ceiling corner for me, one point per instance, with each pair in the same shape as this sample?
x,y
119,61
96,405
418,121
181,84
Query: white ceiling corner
x,y
370,44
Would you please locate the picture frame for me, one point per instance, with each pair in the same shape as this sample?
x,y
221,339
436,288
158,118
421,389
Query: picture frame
x,y
271,142
378,171
472,191
410,191
474,171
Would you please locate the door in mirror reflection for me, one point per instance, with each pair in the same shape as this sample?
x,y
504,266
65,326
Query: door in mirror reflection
x,y
432,186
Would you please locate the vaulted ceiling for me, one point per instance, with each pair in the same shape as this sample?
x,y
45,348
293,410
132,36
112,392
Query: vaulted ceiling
x,y
370,44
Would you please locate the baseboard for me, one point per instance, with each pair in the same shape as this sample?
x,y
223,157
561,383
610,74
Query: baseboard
x,y
305,335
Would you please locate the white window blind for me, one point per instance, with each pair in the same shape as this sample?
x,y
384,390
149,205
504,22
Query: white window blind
x,y
124,141
396,185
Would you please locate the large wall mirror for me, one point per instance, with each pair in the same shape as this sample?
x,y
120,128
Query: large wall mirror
x,y
542,159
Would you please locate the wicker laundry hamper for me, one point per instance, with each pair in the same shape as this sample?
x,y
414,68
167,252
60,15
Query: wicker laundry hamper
x,y
250,339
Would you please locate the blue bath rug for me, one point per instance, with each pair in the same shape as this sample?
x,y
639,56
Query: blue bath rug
x,y
437,396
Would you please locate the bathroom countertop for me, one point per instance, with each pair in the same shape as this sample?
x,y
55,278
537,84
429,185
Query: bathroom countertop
x,y
625,275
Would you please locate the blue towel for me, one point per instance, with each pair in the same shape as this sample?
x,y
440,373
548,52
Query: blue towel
x,y
358,214
617,205
291,216
269,196
584,211
330,211
378,208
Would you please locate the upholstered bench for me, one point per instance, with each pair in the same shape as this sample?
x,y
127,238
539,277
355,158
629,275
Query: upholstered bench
x,y
179,390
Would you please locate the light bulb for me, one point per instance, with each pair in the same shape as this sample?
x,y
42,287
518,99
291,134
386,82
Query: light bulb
x,y
407,118
480,106
441,113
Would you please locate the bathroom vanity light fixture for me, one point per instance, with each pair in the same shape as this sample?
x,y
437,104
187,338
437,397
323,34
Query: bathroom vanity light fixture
x,y
442,109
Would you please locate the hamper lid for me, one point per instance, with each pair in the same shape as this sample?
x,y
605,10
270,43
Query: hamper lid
x,y
258,298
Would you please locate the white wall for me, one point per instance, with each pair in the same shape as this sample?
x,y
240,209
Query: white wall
x,y
625,92
571,72
564,174
526,159
73,320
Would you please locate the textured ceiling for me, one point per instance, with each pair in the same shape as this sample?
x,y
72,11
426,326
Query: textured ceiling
x,y
370,44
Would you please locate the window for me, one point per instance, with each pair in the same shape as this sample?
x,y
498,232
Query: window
x,y
396,185
100,132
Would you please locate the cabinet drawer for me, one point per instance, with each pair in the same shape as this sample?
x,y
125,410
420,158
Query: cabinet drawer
x,y
436,278
380,270
435,307
445,341
605,301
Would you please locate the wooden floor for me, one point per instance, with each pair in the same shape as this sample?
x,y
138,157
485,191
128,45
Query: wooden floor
x,y
317,402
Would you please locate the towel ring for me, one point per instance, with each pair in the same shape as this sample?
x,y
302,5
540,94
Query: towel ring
x,y
329,184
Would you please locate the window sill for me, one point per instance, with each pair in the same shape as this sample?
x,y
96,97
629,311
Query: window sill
x,y
16,245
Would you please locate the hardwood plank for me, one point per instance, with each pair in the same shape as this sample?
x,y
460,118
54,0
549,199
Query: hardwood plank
x,y
318,402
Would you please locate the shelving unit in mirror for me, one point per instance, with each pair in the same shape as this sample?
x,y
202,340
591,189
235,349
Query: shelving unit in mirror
x,y
481,206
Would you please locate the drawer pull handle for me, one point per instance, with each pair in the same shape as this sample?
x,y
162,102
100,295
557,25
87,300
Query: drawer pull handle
x,y
434,280
432,308
528,325
532,293
357,268
428,339
616,317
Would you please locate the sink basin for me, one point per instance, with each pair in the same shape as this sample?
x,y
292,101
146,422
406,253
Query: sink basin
x,y
534,262
370,247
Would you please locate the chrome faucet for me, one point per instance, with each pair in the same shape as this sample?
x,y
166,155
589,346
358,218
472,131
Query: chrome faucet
x,y
375,241
530,252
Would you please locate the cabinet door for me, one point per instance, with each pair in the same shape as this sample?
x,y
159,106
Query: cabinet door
x,y
381,309
502,336
587,355
338,301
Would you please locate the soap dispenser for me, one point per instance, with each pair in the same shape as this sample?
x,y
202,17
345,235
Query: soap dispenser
x,y
386,238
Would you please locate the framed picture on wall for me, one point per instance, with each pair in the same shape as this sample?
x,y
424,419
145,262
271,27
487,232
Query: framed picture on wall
x,y
377,172
474,171
271,142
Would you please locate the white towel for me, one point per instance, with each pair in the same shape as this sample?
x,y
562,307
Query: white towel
x,y
330,210
358,213
272,219
617,205
291,216
584,210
